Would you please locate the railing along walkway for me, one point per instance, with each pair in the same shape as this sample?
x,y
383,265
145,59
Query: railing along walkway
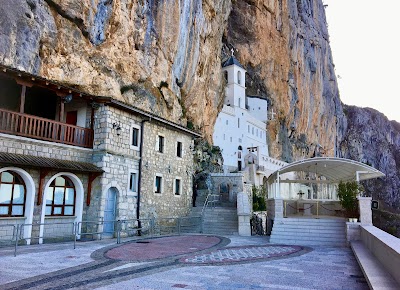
x,y
44,129
79,231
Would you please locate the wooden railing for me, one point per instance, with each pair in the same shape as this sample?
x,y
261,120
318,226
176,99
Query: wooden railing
x,y
44,129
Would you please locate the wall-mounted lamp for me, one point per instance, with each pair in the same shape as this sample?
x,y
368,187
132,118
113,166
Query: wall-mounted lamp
x,y
66,99
95,105
118,128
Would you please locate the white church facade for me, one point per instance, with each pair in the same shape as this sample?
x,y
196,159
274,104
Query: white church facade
x,y
240,129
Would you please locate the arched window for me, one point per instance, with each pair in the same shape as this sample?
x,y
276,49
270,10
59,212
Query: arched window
x,y
239,77
226,75
12,194
60,197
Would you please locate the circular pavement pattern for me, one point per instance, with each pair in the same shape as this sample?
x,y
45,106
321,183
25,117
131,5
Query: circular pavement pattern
x,y
158,248
197,249
241,254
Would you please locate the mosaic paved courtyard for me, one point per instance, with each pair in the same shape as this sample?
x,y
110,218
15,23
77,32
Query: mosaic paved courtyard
x,y
180,262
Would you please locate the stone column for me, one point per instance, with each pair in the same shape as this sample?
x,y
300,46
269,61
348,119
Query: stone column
x,y
364,204
278,208
243,212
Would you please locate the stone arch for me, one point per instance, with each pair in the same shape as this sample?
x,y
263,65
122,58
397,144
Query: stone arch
x,y
30,198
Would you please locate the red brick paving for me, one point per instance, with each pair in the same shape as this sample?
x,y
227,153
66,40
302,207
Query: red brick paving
x,y
162,247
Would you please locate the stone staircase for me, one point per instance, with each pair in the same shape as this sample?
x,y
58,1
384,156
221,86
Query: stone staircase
x,y
220,221
309,232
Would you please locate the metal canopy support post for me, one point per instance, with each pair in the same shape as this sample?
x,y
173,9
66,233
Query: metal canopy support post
x,y
278,186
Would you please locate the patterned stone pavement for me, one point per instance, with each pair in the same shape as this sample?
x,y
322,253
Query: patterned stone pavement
x,y
205,262
242,254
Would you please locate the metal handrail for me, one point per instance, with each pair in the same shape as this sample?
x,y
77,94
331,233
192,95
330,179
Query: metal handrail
x,y
148,225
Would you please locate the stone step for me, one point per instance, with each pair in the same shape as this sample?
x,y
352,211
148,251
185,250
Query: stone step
x,y
309,229
310,220
310,236
308,243
303,231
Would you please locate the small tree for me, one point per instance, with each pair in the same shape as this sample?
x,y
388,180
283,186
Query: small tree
x,y
347,193
259,194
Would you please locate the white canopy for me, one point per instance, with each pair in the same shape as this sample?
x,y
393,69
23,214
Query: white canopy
x,y
333,168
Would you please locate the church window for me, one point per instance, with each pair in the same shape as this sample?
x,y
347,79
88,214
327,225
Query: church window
x,y
252,130
238,123
226,122
248,128
231,139
60,197
12,194
240,102
226,75
239,76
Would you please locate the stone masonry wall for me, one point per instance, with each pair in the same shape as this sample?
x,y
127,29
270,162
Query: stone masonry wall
x,y
169,167
235,182
115,155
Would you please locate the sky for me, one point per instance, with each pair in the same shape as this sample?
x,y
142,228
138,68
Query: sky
x,y
365,43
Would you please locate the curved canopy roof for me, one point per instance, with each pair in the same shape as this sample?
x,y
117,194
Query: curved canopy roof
x,y
333,168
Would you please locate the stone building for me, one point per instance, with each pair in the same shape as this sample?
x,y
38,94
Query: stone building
x,y
68,157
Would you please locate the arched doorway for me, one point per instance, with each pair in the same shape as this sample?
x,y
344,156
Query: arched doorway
x,y
110,212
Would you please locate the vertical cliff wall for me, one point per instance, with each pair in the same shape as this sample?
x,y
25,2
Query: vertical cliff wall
x,y
284,45
162,56
165,57
371,138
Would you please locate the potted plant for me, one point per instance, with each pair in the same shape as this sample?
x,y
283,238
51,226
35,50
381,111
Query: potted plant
x,y
347,193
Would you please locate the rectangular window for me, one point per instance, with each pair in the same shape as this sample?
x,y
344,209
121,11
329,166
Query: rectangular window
x,y
135,137
160,147
238,123
158,184
177,187
133,182
248,128
179,149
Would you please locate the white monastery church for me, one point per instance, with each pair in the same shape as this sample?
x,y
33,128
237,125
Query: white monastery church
x,y
240,129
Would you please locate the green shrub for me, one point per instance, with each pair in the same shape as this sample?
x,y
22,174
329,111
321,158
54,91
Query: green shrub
x,y
347,193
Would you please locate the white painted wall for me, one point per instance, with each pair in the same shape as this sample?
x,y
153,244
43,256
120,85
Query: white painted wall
x,y
258,108
237,126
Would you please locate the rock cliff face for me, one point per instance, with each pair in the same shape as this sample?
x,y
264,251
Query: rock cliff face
x,y
163,56
371,138
284,45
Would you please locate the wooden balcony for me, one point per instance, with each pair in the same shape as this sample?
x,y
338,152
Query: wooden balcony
x,y
44,129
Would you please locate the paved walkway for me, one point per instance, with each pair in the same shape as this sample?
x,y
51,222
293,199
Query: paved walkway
x,y
180,262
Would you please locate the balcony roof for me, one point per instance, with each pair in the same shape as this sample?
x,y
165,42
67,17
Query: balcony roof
x,y
28,78
333,168
10,159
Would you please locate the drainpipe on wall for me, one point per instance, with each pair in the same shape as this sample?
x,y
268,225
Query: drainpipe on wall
x,y
140,173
